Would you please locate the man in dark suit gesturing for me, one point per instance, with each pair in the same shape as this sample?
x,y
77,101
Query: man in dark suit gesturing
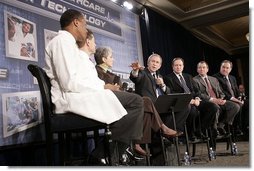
x,y
148,82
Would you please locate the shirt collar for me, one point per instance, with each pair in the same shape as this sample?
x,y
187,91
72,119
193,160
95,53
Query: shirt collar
x,y
203,77
178,75
104,67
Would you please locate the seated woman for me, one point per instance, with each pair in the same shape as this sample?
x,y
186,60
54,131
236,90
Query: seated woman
x,y
104,59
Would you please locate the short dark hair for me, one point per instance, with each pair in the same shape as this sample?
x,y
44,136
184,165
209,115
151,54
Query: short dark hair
x,y
203,62
68,16
101,52
227,61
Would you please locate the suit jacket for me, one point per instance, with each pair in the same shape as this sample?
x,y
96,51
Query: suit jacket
x,y
203,91
175,85
145,85
222,80
108,77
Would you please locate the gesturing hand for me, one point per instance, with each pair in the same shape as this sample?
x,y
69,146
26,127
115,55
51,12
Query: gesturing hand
x,y
136,66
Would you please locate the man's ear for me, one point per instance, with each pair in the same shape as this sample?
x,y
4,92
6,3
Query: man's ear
x,y
75,22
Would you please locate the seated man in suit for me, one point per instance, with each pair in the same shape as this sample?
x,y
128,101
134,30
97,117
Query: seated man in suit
x,y
148,82
104,59
210,91
229,87
180,82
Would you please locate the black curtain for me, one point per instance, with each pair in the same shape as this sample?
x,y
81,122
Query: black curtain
x,y
169,39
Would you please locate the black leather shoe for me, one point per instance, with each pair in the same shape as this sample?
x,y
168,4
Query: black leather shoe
x,y
133,156
200,135
193,138
177,134
238,132
222,131
93,161
215,132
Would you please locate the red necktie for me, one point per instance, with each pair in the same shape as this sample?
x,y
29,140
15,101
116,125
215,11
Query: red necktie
x,y
210,89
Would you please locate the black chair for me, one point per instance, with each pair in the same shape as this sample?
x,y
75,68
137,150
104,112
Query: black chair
x,y
206,139
169,104
65,123
229,137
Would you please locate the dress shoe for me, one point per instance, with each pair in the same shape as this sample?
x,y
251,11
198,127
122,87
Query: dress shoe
x,y
215,133
139,150
177,134
133,156
222,131
238,132
200,135
193,138
93,161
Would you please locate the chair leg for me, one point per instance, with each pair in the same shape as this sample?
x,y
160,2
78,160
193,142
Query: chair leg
x,y
61,148
176,138
84,143
96,137
163,149
208,143
148,163
193,149
49,150
187,139
230,139
108,149
68,146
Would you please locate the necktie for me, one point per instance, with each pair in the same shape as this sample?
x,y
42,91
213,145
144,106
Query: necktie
x,y
229,87
209,87
186,89
158,89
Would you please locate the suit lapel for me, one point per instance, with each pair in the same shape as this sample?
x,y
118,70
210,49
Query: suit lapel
x,y
203,83
149,75
175,78
187,81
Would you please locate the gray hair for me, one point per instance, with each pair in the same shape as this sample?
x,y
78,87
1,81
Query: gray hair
x,y
154,54
102,52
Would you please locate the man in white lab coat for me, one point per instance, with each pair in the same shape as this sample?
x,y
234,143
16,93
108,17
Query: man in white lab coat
x,y
77,88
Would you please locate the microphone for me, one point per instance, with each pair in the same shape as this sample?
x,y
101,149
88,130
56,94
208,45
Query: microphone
x,y
157,73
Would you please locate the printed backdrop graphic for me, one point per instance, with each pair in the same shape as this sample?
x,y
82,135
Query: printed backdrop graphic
x,y
20,37
21,111
112,25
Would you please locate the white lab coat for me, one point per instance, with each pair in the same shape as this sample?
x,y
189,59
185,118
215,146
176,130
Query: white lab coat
x,y
76,86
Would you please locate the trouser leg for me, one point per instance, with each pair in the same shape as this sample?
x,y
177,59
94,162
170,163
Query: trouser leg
x,y
129,127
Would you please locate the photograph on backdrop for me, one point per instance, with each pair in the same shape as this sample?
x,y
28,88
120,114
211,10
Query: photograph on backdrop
x,y
20,37
21,110
48,35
